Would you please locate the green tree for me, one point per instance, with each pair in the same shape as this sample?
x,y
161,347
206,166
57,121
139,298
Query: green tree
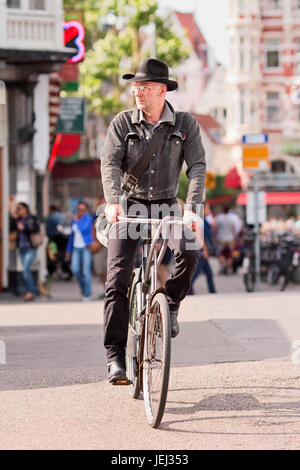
x,y
123,32
90,10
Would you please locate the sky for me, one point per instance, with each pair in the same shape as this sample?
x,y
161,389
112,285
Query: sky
x,y
211,16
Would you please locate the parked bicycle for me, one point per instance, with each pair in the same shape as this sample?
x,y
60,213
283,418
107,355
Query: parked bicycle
x,y
286,262
280,257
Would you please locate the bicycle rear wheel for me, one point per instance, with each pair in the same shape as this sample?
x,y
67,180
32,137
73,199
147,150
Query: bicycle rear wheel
x,y
157,358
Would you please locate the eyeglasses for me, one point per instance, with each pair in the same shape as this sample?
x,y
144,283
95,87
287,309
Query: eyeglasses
x,y
143,89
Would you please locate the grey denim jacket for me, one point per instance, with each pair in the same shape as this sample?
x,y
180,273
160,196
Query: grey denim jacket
x,y
125,144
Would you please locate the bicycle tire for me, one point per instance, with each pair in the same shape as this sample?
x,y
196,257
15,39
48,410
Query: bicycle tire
x,y
158,327
249,281
273,275
131,362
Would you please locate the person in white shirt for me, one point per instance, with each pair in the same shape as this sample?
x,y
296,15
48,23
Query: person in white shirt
x,y
226,232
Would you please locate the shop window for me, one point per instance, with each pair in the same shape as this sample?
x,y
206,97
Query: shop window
x,y
278,166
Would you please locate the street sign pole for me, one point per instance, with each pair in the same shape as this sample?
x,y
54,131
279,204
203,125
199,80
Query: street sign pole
x,y
256,159
257,231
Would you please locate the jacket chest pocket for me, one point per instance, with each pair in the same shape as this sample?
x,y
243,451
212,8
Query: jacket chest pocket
x,y
134,148
175,144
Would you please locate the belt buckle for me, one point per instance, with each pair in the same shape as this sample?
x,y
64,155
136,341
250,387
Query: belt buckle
x,y
132,180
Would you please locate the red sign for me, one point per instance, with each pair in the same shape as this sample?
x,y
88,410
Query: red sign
x,y
69,72
73,37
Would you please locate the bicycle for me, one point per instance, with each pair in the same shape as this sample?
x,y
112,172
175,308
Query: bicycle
x,y
148,351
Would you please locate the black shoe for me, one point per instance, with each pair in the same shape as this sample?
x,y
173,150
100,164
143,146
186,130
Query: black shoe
x,y
174,323
117,374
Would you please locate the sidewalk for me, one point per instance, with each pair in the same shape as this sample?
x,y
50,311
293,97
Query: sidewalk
x,y
68,291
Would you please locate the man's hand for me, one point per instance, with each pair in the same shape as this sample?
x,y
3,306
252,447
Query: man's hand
x,y
194,223
112,212
67,257
190,219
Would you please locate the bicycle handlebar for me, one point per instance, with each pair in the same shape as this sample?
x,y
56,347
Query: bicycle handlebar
x,y
151,221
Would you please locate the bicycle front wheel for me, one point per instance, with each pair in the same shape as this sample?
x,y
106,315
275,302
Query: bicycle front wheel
x,y
132,349
157,358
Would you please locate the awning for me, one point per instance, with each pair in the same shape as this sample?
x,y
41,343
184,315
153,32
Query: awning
x,y
221,199
273,198
233,179
33,56
80,169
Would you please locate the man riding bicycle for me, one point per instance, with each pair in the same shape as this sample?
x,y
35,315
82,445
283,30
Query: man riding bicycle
x,y
129,136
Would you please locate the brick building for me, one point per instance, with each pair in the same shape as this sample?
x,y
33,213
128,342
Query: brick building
x,y
262,78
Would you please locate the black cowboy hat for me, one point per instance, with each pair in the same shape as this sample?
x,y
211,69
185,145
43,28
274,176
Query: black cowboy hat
x,y
152,70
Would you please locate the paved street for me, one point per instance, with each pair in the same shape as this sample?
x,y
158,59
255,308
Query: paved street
x,y
233,384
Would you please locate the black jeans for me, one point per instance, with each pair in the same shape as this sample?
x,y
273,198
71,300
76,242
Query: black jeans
x,y
120,263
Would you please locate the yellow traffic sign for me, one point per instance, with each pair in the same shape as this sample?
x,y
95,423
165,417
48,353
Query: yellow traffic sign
x,y
256,157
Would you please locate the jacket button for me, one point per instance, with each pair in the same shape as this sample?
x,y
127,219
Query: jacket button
x,y
152,172
151,189
177,142
147,138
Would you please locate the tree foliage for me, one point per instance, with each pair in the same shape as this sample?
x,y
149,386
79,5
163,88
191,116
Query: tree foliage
x,y
120,34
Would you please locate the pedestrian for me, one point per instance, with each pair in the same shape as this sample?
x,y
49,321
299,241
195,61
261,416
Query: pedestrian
x,y
176,135
55,229
237,221
225,231
205,268
25,226
78,249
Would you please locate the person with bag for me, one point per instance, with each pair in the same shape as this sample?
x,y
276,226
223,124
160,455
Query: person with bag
x,y
142,159
78,249
25,229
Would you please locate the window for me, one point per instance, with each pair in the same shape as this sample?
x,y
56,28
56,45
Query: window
x,y
297,56
278,166
13,3
242,106
241,7
273,107
242,55
253,111
37,4
273,4
272,53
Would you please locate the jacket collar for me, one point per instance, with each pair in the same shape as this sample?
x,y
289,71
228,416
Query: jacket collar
x,y
170,113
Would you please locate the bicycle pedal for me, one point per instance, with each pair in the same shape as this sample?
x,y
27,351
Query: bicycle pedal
x,y
121,382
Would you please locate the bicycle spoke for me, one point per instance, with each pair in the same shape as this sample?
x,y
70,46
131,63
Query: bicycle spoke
x,y
157,360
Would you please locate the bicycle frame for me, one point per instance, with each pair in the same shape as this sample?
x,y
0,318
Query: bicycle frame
x,y
151,261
